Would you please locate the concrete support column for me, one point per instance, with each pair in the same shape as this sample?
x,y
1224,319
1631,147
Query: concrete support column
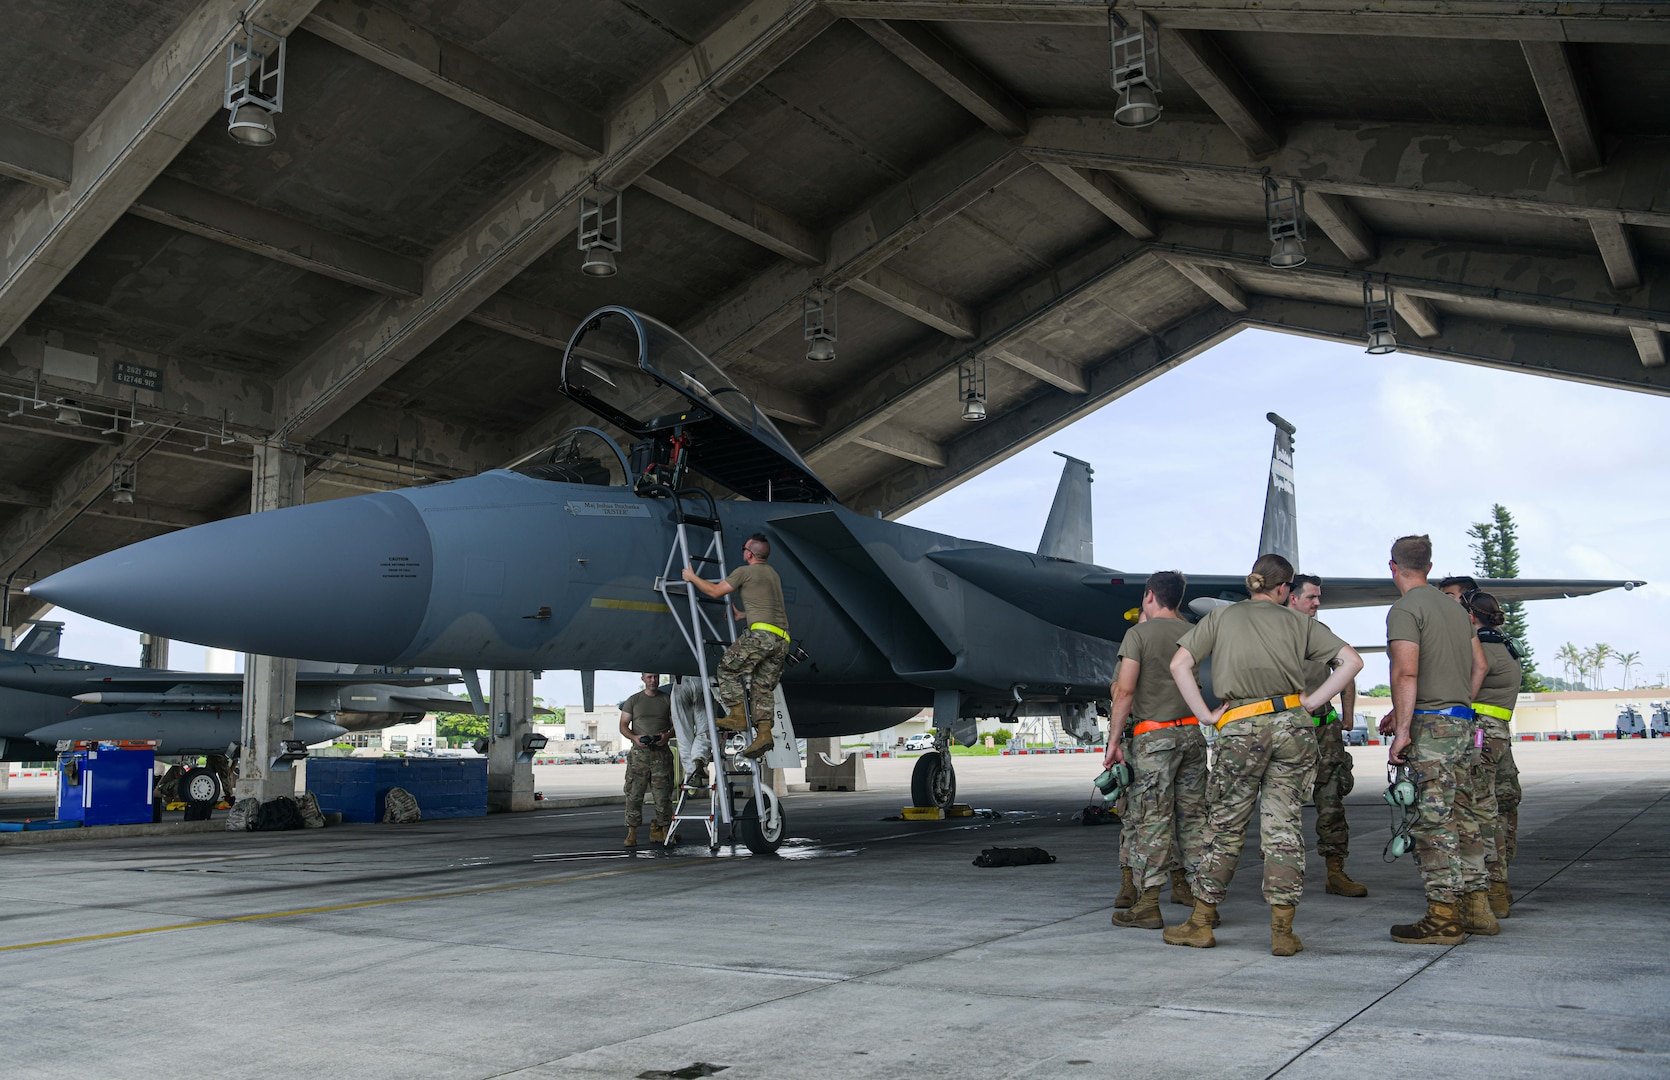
x,y
153,651
269,705
509,780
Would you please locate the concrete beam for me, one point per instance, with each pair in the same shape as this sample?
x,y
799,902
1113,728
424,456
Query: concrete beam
x,y
719,203
16,495
525,319
1418,314
1548,20
943,188
1214,283
157,515
1202,64
1043,365
538,211
1013,429
125,148
261,232
917,302
34,158
1334,216
75,488
892,439
952,72
1104,193
1494,169
375,33
1617,251
1562,99
1649,344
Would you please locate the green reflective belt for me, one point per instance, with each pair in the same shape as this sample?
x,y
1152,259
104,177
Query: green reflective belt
x,y
1328,717
768,628
1495,712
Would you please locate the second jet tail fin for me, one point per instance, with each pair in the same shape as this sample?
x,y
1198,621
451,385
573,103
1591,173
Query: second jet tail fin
x,y
1280,535
42,639
1067,532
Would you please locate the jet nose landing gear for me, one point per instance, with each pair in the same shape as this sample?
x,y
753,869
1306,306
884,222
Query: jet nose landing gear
x,y
934,780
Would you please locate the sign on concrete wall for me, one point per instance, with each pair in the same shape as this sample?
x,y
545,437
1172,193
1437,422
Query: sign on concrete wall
x,y
146,378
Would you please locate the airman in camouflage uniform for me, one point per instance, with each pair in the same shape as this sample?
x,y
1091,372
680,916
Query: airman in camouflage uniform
x,y
1166,803
1495,776
760,652
646,724
1265,753
1333,762
1430,638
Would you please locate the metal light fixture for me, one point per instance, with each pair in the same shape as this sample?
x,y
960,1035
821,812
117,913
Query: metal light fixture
x,y
971,389
1378,320
254,86
68,414
599,238
818,325
1135,61
1285,216
123,482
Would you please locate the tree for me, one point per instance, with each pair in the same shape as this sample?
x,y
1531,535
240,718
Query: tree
x,y
1602,652
1571,660
1382,690
1629,660
1496,555
460,729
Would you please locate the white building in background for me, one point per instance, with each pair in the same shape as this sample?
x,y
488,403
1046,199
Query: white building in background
x,y
1565,710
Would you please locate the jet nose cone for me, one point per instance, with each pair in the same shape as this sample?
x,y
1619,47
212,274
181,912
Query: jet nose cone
x,y
342,580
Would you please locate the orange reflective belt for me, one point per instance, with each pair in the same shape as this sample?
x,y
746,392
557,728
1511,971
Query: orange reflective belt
x,y
1155,725
1259,708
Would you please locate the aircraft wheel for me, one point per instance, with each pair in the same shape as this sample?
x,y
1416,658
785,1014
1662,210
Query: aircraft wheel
x,y
199,786
763,837
931,783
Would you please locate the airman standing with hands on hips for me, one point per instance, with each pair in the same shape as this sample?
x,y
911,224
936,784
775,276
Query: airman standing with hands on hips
x,y
1266,745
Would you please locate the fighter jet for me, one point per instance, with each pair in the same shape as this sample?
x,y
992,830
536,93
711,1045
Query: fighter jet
x,y
571,560
45,698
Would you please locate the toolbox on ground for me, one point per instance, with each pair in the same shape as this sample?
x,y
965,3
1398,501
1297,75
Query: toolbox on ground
x,y
105,784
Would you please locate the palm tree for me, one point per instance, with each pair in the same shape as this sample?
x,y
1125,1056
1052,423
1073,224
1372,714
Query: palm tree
x,y
1629,660
1603,653
1570,660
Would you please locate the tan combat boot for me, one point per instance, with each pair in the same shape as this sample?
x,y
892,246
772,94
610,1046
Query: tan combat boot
x,y
1127,889
1475,914
1339,882
1500,898
632,836
1441,925
657,832
762,740
1283,941
1180,892
735,720
1197,932
1144,914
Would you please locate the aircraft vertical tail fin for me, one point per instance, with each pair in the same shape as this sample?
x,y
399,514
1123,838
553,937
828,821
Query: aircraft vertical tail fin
x,y
1067,532
42,639
1280,535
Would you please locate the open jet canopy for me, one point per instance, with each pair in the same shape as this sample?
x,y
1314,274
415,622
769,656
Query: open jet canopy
x,y
640,375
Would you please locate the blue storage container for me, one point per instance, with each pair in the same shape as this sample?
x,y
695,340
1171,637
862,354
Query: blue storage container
x,y
357,787
111,786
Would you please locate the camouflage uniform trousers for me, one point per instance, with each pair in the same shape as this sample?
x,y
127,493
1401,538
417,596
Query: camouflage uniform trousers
x,y
1448,845
1495,790
758,655
1167,803
649,768
1127,829
1269,761
1333,783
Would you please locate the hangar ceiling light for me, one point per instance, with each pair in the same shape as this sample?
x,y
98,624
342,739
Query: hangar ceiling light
x,y
1378,320
123,482
68,414
971,389
817,321
1285,216
254,86
1135,63
600,231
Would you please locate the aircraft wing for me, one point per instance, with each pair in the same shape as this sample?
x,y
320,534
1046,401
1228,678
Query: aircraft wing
x,y
1345,592
67,678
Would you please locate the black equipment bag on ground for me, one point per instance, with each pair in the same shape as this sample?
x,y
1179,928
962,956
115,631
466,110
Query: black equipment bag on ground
x,y
1012,856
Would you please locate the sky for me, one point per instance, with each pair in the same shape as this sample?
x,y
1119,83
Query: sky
x,y
1386,445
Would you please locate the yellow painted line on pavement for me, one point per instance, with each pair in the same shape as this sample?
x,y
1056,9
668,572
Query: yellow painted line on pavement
x,y
631,605
328,908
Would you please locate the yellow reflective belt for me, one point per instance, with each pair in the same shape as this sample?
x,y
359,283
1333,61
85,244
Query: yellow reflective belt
x,y
1258,708
768,628
1495,712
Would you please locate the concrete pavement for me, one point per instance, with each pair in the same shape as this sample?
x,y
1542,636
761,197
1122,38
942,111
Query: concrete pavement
x,y
532,946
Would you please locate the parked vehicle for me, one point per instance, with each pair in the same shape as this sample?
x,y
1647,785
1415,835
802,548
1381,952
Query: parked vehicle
x,y
592,753
918,744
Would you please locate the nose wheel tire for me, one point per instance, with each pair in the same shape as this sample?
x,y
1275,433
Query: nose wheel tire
x,y
932,783
763,837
